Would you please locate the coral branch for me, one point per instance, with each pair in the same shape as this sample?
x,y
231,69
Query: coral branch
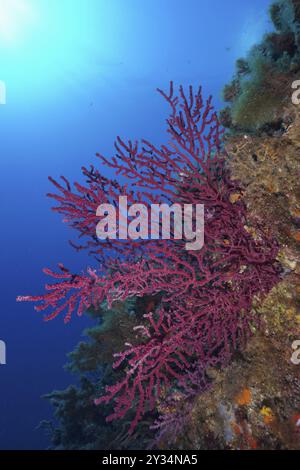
x,y
206,296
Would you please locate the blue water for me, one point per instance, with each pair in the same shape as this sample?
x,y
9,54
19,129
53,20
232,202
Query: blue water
x,y
77,74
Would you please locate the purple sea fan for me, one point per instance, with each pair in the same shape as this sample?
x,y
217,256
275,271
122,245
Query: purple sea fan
x,y
206,296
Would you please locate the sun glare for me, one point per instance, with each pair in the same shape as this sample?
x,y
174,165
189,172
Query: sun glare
x,y
15,16
46,45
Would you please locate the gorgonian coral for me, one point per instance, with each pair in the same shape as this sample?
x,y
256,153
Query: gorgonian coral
x,y
204,312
